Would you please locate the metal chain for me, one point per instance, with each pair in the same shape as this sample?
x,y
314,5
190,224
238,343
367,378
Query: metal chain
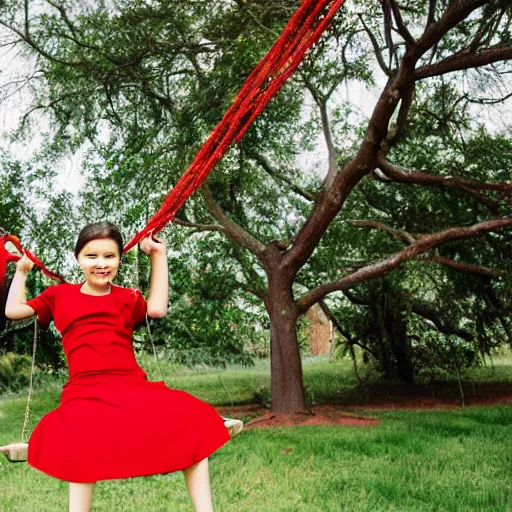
x,y
27,410
154,350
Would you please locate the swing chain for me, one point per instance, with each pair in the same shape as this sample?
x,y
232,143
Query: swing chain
x,y
154,350
27,410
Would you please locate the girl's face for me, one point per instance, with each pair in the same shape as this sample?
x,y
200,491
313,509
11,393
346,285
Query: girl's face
x,y
99,260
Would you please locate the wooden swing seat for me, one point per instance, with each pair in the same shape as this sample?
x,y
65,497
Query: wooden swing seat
x,y
15,452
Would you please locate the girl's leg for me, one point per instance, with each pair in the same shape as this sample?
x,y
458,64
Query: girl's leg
x,y
198,485
80,496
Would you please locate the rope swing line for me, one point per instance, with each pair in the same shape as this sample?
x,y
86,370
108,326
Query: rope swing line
x,y
6,257
27,408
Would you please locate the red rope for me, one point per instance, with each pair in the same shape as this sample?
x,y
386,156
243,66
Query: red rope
x,y
302,31
6,257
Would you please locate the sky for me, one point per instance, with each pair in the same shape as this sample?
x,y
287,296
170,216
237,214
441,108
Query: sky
x,y
11,112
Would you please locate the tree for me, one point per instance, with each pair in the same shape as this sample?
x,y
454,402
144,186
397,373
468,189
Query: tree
x,y
163,73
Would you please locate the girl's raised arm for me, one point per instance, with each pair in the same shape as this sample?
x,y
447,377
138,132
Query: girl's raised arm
x,y
158,299
15,307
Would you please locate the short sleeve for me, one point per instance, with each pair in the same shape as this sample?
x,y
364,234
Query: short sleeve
x,y
43,305
139,310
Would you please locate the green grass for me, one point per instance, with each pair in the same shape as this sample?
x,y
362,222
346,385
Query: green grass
x,y
457,460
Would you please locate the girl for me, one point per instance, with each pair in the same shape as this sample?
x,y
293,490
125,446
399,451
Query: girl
x,y
112,422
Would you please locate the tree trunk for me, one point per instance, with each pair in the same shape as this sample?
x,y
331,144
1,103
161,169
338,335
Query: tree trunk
x,y
400,344
286,386
393,341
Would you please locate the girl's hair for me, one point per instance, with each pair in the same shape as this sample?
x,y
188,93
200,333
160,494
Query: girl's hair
x,y
99,230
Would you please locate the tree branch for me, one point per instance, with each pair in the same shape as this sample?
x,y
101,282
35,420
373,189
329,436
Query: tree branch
x,y
333,160
87,46
351,340
258,293
397,234
441,326
276,175
14,42
388,25
376,49
383,267
37,48
488,26
63,15
489,101
244,7
23,81
54,102
456,12
423,311
432,179
330,200
402,29
231,229
431,18
403,236
321,102
465,59
463,267
401,175
250,274
198,227
26,18
399,129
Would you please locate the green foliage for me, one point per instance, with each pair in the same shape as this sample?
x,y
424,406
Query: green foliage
x,y
13,206
438,356
303,335
208,322
15,371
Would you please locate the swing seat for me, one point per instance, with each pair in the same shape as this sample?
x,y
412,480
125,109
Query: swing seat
x,y
234,426
15,452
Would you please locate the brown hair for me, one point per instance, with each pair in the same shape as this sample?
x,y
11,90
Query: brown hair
x,y
97,230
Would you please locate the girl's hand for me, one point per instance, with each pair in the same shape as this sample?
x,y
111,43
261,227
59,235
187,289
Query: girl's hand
x,y
24,264
150,244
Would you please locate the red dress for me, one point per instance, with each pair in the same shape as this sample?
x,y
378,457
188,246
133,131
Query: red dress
x,y
112,422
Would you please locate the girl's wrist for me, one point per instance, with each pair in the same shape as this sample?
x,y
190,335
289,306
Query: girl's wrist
x,y
159,250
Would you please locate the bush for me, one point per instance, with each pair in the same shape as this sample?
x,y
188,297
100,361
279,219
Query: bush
x,y
15,371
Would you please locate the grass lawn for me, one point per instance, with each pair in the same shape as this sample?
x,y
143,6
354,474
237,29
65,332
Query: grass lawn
x,y
446,460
